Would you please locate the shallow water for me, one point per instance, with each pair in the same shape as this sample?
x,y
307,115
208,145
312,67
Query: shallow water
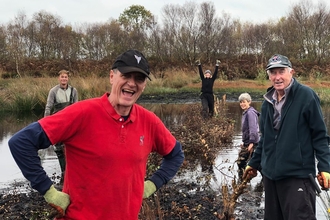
x,y
224,169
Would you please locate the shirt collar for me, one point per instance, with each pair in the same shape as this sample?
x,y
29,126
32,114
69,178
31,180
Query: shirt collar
x,y
286,91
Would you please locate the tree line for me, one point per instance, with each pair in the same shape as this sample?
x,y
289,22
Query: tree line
x,y
185,33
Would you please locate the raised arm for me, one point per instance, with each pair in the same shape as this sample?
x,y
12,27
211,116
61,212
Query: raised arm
x,y
215,74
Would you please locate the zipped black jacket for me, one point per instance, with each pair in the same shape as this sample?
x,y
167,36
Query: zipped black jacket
x,y
207,83
302,136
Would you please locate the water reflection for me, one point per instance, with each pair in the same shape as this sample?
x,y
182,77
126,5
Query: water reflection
x,y
10,124
169,113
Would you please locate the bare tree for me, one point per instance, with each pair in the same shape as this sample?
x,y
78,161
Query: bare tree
x,y
47,26
181,31
321,25
210,30
15,36
302,27
171,27
3,44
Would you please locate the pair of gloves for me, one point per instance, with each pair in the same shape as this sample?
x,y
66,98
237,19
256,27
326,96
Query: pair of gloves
x,y
323,177
198,62
60,200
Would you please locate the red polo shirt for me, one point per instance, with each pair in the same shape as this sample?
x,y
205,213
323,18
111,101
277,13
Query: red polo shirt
x,y
106,156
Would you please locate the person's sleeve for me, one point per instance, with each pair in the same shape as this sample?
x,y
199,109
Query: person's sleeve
x,y
50,103
256,157
253,127
215,74
75,98
24,146
320,137
255,160
200,71
169,166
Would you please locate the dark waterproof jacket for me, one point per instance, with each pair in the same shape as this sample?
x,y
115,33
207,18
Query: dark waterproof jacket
x,y
250,126
302,136
207,83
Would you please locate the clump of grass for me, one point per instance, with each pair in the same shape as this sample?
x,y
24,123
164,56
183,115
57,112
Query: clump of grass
x,y
28,93
21,103
262,77
173,82
177,79
324,95
22,94
91,87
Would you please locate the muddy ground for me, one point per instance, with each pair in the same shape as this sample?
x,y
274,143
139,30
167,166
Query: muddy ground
x,y
180,200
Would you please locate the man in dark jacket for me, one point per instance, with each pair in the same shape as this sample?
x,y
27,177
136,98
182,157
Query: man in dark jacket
x,y
207,89
293,134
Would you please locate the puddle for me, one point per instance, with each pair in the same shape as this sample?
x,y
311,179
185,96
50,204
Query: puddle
x,y
224,171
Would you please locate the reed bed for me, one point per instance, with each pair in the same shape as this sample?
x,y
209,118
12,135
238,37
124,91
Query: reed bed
x,y
28,93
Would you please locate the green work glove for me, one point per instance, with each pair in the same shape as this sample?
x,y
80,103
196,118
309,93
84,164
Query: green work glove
x,y
324,179
58,200
149,189
217,62
249,173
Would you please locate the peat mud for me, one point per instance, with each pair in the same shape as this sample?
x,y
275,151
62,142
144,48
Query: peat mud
x,y
179,200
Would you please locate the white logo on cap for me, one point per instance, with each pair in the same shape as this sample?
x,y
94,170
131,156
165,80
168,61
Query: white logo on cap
x,y
138,59
275,60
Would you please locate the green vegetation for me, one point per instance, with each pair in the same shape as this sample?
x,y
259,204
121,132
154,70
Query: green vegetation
x,y
29,94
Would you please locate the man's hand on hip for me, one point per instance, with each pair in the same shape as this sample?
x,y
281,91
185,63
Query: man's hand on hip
x,y
58,200
149,188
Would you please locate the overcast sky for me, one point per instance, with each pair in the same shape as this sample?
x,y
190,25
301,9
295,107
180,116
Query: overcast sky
x,y
90,11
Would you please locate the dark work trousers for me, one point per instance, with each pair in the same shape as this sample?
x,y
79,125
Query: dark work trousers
x,y
289,199
243,158
59,150
207,104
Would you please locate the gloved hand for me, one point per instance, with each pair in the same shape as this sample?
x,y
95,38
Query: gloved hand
x,y
198,62
217,62
324,179
149,188
58,200
249,173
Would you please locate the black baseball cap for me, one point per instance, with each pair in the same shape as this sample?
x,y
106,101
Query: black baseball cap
x,y
278,60
132,61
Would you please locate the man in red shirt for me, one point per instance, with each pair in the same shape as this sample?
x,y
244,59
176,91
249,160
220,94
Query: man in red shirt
x,y
108,140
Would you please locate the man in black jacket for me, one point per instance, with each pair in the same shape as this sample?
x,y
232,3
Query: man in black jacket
x,y
293,141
